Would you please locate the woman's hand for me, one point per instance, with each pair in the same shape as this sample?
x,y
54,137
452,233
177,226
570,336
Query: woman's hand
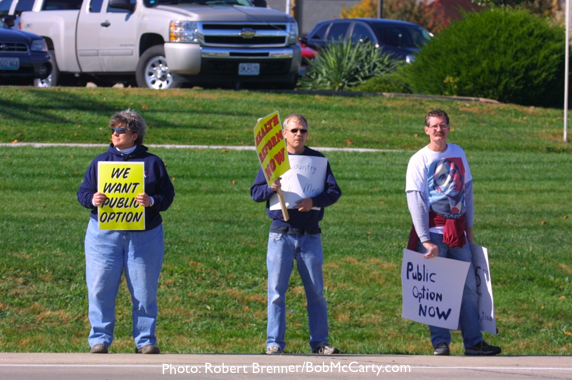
x,y
99,199
144,200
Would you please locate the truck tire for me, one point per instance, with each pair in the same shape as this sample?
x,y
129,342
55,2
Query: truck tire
x,y
152,70
53,79
290,85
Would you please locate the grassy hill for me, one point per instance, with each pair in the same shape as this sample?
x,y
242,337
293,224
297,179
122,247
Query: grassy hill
x,y
212,295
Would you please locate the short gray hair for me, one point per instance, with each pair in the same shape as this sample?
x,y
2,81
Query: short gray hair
x,y
132,121
296,118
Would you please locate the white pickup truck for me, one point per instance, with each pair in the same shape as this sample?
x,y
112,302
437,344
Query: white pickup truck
x,y
161,44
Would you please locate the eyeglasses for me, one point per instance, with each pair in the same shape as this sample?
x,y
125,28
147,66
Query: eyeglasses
x,y
442,126
296,130
119,130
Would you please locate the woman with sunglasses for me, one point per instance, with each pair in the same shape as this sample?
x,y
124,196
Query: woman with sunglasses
x,y
137,253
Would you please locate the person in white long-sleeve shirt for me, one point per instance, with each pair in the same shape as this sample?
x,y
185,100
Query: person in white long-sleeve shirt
x,y
439,190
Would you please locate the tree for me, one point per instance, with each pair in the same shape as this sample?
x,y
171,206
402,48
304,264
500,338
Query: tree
x,y
509,3
427,14
549,8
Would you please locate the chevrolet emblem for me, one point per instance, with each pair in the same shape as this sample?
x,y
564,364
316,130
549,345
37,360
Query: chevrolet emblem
x,y
247,33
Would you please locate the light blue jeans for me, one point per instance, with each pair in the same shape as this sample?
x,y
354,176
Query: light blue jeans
x,y
469,317
307,251
107,255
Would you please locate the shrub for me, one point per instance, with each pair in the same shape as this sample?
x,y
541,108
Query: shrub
x,y
342,65
392,82
507,55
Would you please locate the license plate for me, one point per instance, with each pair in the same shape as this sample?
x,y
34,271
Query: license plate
x,y
248,68
9,63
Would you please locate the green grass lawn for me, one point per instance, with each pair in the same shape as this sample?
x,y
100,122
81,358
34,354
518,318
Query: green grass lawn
x,y
212,295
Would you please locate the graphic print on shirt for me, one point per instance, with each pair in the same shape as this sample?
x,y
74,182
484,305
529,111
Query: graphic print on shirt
x,y
447,187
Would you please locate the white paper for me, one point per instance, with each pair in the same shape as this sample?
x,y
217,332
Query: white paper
x,y
305,179
487,320
432,289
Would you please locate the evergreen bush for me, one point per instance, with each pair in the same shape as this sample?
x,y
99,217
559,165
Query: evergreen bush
x,y
508,55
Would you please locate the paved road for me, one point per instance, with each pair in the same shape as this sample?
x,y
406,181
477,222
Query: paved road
x,y
83,366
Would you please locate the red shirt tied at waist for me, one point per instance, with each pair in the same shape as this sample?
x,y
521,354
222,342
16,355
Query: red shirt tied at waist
x,y
453,233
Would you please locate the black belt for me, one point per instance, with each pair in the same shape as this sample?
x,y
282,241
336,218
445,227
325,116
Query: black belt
x,y
295,231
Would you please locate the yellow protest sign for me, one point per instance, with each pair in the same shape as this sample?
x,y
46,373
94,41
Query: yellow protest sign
x,y
121,182
271,147
272,153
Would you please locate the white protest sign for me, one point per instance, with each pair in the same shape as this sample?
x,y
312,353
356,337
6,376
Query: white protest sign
x,y
305,179
487,320
432,289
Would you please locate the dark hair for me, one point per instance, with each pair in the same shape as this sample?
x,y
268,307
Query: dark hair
x,y
132,121
437,113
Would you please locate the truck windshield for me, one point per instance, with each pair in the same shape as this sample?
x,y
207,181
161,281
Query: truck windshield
x,y
154,3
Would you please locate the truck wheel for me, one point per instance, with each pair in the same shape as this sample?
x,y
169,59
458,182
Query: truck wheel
x,y
152,70
291,85
53,79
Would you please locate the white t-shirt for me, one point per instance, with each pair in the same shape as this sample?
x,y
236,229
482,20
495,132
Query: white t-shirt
x,y
441,177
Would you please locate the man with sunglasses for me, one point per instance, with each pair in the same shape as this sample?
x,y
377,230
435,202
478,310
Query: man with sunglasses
x,y
439,191
298,239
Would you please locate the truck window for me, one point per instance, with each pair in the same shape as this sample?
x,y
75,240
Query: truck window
x,y
52,5
5,7
117,10
95,6
24,6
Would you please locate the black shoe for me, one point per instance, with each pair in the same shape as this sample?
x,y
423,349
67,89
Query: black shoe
x,y
148,349
98,349
441,349
482,348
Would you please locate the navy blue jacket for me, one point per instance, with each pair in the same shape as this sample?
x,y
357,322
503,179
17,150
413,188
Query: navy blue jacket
x,y
260,192
157,183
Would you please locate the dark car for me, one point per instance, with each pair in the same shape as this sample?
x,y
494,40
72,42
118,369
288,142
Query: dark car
x,y
23,56
401,39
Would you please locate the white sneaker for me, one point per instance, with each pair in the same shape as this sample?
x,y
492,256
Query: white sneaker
x,y
273,350
325,350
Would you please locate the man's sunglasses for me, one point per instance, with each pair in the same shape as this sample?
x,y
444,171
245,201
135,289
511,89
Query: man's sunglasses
x,y
302,131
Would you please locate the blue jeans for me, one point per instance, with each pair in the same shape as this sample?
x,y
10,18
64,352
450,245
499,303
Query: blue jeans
x,y
469,317
307,251
107,255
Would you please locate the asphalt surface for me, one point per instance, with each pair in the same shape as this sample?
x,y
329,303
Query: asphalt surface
x,y
84,366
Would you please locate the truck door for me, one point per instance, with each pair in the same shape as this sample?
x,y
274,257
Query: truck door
x,y
118,39
88,29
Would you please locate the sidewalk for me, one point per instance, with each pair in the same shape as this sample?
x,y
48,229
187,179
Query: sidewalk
x,y
85,366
